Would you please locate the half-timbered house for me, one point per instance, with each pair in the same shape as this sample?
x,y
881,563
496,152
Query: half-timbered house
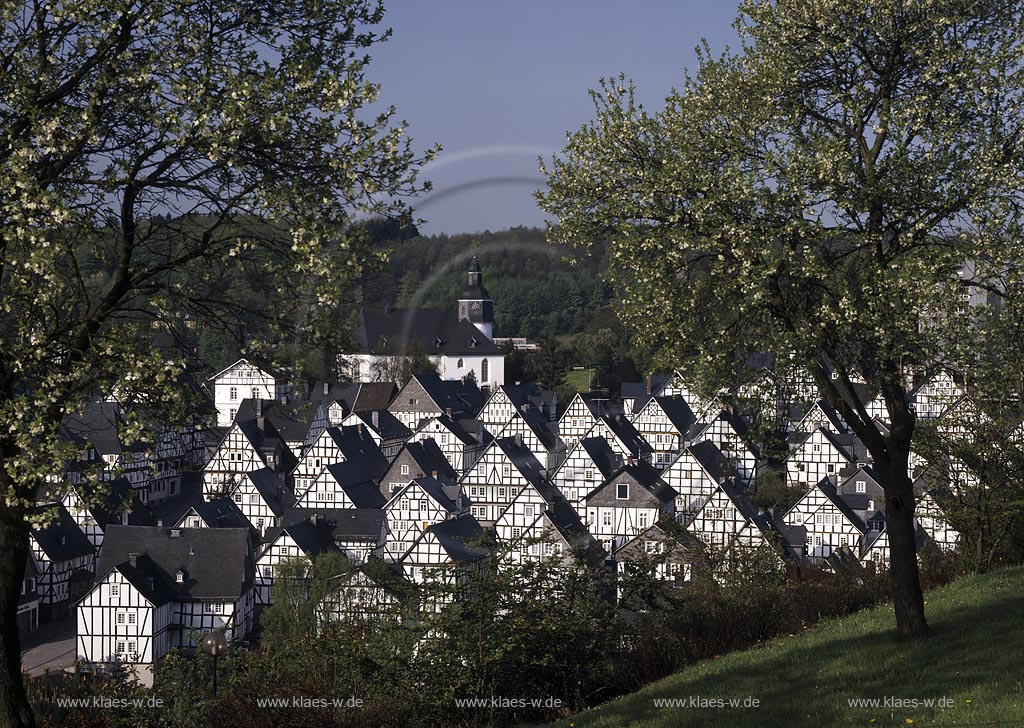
x,y
627,503
695,474
414,508
64,558
460,441
663,422
242,381
161,588
494,481
829,521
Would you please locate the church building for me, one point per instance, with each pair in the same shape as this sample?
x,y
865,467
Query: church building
x,y
459,342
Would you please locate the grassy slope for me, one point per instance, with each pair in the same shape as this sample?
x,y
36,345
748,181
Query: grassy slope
x,y
976,658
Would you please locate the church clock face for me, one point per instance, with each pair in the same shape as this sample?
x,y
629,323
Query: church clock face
x,y
475,307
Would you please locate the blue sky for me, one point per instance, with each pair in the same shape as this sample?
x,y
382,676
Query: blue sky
x,y
499,83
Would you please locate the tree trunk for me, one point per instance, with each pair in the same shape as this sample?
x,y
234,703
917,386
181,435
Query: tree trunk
x,y
14,531
907,597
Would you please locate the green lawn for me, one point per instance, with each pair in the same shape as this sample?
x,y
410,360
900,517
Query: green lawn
x,y
580,381
974,663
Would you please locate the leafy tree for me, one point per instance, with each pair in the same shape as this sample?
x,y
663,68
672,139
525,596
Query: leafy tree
x,y
149,153
811,196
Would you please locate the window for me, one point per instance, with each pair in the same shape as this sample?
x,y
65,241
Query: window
x,y
529,511
831,467
818,518
715,514
516,533
643,520
405,469
237,497
254,499
254,393
234,394
817,540
816,448
423,504
459,364
650,547
283,550
862,487
501,494
622,491
133,648
588,474
506,469
122,617
115,590
268,572
119,648
484,371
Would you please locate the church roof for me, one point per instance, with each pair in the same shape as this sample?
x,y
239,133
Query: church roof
x,y
430,331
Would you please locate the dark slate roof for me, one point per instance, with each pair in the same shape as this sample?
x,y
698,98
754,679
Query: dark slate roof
x,y
428,456
313,536
849,444
628,435
462,538
522,459
112,500
717,465
271,489
428,330
217,562
354,396
452,394
474,292
465,430
352,472
221,513
343,524
740,499
605,458
357,443
646,477
60,539
387,425
99,424
289,423
677,411
212,437
658,382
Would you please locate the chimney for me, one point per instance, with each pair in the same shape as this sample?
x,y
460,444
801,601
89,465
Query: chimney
x,y
133,559
375,419
387,309
650,382
359,428
259,408
448,411
519,439
284,399
327,388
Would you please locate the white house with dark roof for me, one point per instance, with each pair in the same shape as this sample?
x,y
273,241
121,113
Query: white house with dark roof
x,y
627,503
414,508
695,474
386,430
663,422
495,480
262,498
829,520
64,560
461,441
458,341
581,415
160,588
241,381
589,464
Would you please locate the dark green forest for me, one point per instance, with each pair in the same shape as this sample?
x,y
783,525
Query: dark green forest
x,y
539,290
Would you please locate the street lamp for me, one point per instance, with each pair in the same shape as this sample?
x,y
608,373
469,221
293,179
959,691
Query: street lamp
x,y
214,644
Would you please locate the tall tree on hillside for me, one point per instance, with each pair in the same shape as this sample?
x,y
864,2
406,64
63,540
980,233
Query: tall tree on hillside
x,y
815,195
149,152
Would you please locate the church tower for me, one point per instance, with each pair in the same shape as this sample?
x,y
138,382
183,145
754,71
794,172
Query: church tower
x,y
475,303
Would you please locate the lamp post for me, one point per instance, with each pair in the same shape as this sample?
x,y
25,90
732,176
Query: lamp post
x,y
214,644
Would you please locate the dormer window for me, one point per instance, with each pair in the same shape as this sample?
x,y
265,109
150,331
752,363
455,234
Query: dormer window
x,y
473,342
437,342
179,576
622,491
